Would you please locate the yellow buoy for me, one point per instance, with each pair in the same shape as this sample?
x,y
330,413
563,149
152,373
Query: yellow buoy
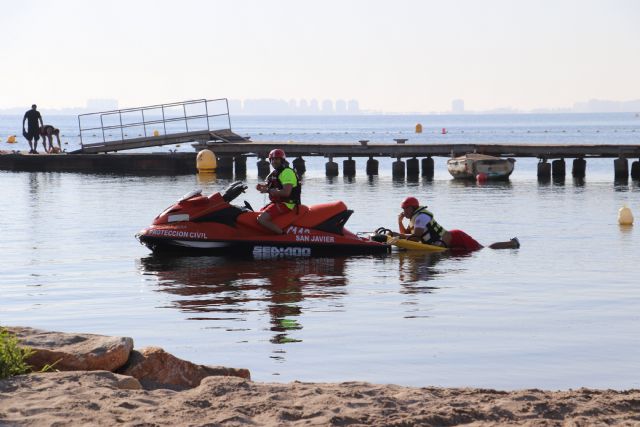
x,y
625,217
11,139
206,161
156,133
418,128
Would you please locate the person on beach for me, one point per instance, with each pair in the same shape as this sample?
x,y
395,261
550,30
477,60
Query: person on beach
x,y
284,190
47,132
424,228
32,134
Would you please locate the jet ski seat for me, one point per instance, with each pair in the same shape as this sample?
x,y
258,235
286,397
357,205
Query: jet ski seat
x,y
281,221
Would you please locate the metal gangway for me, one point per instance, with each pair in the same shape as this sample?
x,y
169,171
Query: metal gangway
x,y
199,120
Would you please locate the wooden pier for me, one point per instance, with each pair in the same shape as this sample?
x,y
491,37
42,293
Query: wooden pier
x,y
411,159
192,122
228,154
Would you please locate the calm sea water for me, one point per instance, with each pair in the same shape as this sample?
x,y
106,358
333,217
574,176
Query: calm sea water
x,y
560,312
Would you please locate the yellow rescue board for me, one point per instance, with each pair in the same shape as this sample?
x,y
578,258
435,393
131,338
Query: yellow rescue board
x,y
414,246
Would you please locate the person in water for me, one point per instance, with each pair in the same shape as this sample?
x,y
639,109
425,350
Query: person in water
x,y
283,187
47,132
32,134
424,228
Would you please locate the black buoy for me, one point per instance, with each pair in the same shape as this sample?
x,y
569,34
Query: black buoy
x,y
299,166
372,166
427,168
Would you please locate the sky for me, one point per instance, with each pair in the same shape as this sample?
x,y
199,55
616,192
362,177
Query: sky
x,y
391,56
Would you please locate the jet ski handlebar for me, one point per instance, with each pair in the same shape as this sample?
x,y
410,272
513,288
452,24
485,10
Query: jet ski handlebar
x,y
234,190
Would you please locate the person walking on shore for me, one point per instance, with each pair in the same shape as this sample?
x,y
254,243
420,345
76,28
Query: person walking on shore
x,y
32,134
424,228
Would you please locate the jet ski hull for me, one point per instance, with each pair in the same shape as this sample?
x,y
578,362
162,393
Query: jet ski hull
x,y
211,225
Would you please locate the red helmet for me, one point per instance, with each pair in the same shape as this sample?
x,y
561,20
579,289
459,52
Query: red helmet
x,y
410,202
277,154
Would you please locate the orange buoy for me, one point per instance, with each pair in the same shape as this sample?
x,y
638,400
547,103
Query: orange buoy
x,y
419,128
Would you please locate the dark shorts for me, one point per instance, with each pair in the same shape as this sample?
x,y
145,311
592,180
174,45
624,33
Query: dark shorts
x,y
276,209
461,240
32,134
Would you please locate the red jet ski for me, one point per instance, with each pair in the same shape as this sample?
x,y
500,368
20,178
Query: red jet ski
x,y
212,224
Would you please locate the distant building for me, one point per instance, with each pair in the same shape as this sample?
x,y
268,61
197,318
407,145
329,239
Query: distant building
x,y
313,107
327,106
353,107
603,106
457,106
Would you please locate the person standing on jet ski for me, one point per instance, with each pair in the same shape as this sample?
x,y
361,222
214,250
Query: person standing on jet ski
x,y
284,189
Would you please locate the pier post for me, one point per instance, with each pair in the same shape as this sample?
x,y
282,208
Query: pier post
x,y
225,165
240,165
558,169
299,166
413,168
427,168
263,167
621,169
635,170
579,168
544,170
349,167
397,169
372,166
331,168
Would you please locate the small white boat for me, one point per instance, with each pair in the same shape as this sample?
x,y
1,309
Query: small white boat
x,y
471,165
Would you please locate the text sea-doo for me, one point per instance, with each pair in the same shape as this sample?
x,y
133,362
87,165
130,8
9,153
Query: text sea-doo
x,y
200,223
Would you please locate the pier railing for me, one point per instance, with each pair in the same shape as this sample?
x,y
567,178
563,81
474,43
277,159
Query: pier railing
x,y
185,117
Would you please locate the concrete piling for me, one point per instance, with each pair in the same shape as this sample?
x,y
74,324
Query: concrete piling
x,y
240,165
299,165
263,167
413,167
349,167
225,165
621,168
397,169
579,168
635,170
372,166
558,168
427,167
544,170
331,168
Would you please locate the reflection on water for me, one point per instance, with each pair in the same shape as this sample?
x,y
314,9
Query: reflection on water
x,y
226,290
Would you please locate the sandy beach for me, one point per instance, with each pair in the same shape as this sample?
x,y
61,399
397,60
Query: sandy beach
x,y
105,398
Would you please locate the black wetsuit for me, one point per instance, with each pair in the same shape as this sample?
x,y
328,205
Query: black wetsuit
x,y
33,124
